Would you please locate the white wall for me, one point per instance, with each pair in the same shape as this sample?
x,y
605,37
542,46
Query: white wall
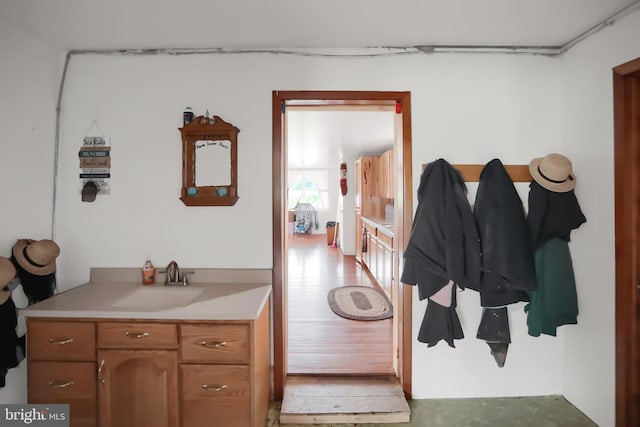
x,y
467,109
589,360
470,110
29,79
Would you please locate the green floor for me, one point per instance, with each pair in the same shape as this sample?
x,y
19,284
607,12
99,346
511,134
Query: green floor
x,y
547,411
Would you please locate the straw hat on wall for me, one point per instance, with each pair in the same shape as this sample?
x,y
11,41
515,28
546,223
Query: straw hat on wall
x,y
553,172
36,256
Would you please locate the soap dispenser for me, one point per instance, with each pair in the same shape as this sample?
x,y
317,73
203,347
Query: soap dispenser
x,y
148,273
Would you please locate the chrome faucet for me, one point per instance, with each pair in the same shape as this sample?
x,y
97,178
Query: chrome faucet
x,y
173,274
174,277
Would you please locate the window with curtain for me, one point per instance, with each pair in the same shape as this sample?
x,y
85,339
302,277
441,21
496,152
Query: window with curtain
x,y
308,186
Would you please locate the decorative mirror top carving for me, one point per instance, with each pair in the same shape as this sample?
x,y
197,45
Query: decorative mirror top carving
x,y
209,162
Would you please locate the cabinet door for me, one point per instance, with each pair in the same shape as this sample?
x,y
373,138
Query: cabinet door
x,y
368,182
366,256
71,383
358,186
138,388
380,266
358,236
373,253
382,175
216,395
391,175
387,275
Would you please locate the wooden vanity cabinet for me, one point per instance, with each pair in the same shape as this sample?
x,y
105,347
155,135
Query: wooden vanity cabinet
x,y
374,188
378,259
121,373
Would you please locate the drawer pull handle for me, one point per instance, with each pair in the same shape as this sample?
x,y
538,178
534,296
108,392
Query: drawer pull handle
x,y
100,371
60,383
136,334
214,344
61,341
215,387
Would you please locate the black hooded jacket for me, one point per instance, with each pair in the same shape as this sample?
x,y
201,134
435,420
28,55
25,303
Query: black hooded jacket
x,y
444,241
443,246
508,268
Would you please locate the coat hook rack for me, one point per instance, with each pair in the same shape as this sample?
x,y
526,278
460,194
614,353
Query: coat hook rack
x,y
471,173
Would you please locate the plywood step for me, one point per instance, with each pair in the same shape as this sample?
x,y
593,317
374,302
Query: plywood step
x,y
343,400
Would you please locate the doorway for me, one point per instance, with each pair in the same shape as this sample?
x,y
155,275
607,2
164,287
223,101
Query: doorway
x,y
626,92
402,216
318,140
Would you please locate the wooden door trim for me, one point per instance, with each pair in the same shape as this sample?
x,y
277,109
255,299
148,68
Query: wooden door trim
x,y
279,98
627,190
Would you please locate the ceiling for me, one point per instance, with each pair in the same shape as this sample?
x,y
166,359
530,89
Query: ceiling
x,y
322,139
316,139
144,24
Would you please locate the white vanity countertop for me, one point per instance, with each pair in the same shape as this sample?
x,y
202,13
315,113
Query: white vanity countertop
x,y
216,301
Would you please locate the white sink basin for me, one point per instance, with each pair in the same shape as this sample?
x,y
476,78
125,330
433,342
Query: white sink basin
x,y
156,298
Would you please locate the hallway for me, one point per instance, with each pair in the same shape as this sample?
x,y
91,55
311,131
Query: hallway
x,y
319,341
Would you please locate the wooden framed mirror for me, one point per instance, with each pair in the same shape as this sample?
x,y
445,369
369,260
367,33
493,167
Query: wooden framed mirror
x,y
209,162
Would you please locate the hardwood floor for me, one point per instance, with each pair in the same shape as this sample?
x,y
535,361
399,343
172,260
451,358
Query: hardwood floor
x,y
319,341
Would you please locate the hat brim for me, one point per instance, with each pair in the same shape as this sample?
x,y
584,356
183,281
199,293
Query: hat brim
x,y
7,273
25,264
556,187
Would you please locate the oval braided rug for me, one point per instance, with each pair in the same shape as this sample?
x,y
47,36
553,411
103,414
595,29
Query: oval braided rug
x,y
360,303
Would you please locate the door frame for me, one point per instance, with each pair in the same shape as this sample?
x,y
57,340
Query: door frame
x,y
626,87
403,217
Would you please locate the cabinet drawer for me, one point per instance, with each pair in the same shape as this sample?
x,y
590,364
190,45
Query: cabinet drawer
x,y
137,335
72,383
53,340
387,240
216,392
215,343
373,231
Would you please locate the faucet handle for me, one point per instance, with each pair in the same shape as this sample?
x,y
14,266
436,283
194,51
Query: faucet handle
x,y
185,273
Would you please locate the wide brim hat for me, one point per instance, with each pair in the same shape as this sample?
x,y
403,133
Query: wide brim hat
x,y
553,172
7,273
36,256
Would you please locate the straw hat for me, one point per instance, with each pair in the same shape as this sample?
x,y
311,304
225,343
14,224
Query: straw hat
x,y
7,273
36,256
553,172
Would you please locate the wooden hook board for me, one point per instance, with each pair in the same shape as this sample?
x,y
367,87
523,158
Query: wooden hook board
x,y
471,173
